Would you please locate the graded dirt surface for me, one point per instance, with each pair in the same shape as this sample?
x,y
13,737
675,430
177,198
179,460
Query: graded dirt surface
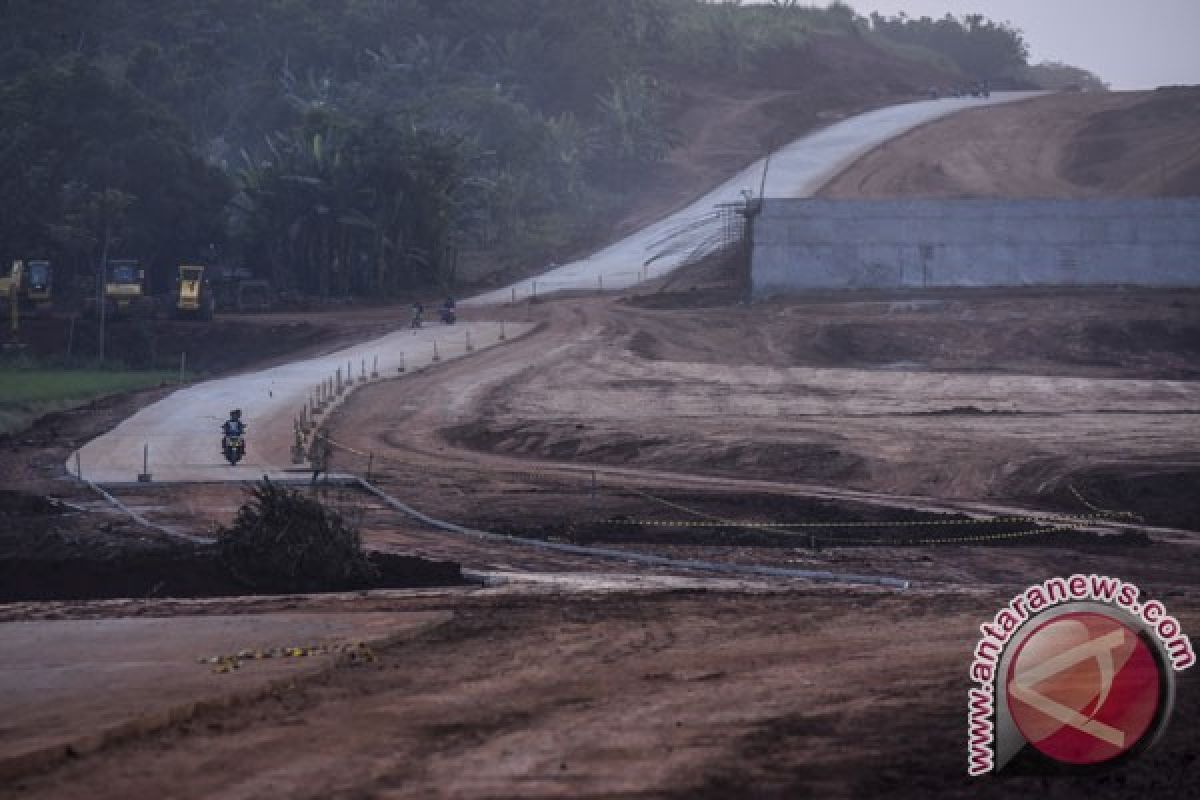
x,y
680,694
1113,144
77,684
578,676
1037,386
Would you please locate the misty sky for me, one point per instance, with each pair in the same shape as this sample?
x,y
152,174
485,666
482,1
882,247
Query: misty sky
x,y
1132,44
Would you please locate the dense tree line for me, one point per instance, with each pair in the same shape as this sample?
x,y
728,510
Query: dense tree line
x,y
355,146
981,48
1056,75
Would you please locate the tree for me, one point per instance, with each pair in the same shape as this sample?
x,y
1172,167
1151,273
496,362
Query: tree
x,y
1056,75
631,127
78,135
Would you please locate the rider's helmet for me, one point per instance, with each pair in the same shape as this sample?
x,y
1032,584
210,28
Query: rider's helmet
x,y
236,413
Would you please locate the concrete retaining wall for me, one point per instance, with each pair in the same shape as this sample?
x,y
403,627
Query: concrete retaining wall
x,y
840,244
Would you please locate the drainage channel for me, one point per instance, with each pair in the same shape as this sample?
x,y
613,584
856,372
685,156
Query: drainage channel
x,y
644,559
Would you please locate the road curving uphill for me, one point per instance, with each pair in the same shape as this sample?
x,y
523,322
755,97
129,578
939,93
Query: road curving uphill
x,y
799,169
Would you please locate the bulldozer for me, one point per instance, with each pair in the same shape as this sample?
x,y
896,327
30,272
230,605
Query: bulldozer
x,y
193,295
124,291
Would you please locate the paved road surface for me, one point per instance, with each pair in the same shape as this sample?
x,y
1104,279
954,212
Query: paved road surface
x,y
797,170
182,430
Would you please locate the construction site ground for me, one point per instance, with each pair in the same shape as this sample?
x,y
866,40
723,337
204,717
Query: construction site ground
x,y
580,676
970,442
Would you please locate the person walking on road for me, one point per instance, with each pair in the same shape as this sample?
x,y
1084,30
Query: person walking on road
x,y
319,453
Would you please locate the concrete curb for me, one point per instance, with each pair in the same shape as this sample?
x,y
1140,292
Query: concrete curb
x,y
139,519
639,558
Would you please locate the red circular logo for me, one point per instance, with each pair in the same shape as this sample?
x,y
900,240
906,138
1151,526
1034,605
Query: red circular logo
x,y
1083,688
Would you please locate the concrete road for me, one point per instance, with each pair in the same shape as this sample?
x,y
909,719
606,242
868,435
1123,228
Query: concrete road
x,y
181,432
797,170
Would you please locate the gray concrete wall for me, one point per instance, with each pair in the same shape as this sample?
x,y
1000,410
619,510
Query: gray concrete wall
x,y
840,244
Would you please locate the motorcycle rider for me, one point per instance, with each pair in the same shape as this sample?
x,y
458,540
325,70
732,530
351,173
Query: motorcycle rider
x,y
447,311
418,310
232,427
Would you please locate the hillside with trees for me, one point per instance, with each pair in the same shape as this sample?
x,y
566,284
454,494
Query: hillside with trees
x,y
343,147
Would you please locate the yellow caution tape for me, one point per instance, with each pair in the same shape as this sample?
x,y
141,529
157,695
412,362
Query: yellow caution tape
x,y
783,526
1098,510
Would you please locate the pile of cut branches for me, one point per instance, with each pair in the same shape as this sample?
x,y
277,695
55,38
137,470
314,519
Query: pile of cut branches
x,y
283,541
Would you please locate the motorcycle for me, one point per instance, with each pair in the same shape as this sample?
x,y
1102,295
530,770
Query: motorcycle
x,y
233,447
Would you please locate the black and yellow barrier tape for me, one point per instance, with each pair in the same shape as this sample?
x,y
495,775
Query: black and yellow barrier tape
x,y
677,523
1097,509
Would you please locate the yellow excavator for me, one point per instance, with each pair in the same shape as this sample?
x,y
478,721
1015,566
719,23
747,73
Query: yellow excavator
x,y
193,295
10,284
10,294
27,286
38,287
30,283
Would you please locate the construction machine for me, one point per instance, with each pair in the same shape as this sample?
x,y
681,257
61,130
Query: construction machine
x,y
193,295
236,289
38,289
26,287
10,284
10,293
124,290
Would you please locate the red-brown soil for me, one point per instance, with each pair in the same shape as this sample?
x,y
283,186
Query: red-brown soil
x,y
645,694
1119,144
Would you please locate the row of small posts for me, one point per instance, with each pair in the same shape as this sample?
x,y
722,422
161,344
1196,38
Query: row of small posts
x,y
324,395
643,274
327,393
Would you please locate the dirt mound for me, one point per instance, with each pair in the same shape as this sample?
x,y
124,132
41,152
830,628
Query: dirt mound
x,y
16,503
1146,147
1116,144
179,572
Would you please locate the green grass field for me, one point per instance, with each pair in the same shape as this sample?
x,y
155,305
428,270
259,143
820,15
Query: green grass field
x,y
26,394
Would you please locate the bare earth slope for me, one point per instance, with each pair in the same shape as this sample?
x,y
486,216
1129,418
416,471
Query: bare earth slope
x,y
1121,144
